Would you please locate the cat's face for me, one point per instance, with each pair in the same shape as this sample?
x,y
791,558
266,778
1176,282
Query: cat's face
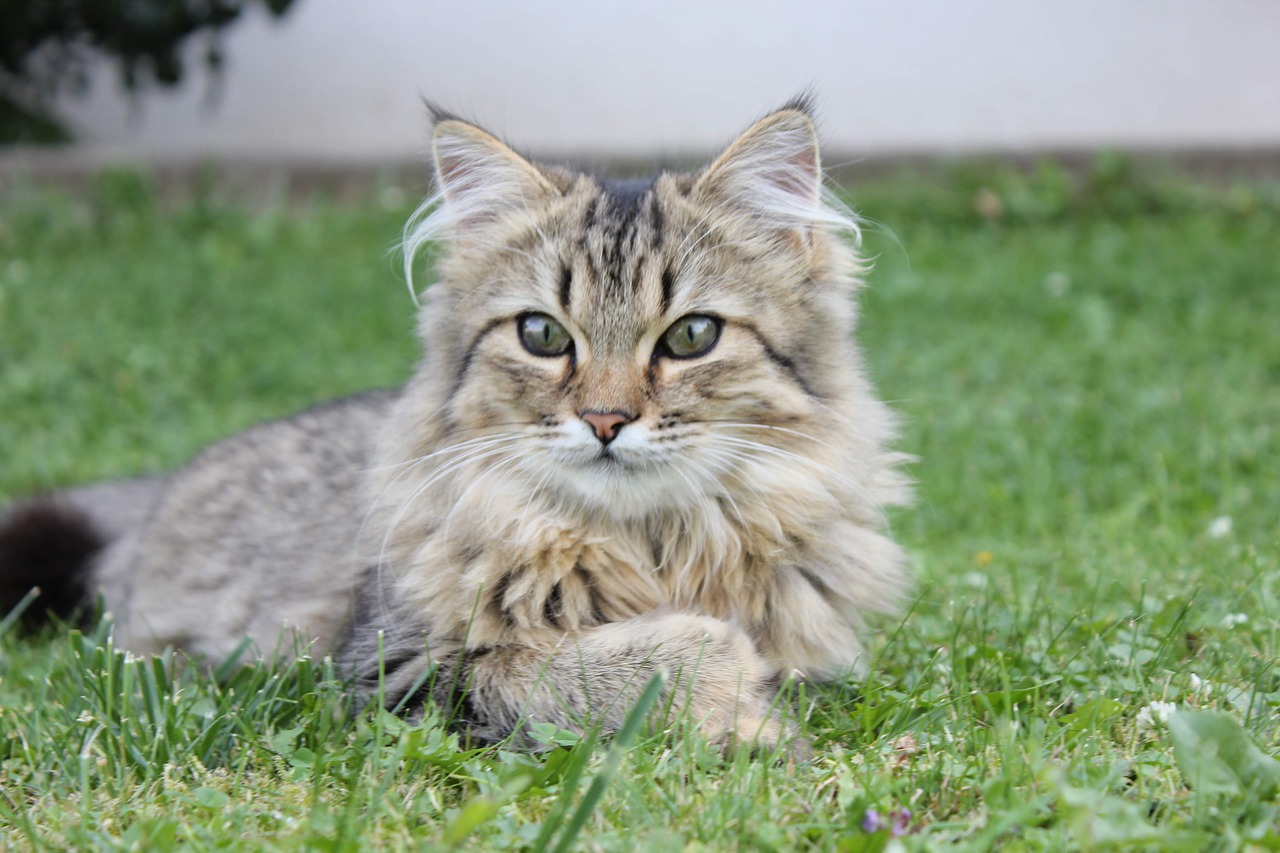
x,y
630,347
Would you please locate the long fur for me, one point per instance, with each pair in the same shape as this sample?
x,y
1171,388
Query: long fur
x,y
471,540
765,523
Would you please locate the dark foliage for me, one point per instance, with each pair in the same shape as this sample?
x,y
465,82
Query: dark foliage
x,y
46,47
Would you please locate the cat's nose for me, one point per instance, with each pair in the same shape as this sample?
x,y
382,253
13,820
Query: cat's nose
x,y
607,424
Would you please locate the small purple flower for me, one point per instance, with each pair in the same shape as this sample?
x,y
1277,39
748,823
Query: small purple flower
x,y
898,823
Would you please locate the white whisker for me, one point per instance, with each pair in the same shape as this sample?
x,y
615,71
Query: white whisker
x,y
409,467
798,458
447,469
506,466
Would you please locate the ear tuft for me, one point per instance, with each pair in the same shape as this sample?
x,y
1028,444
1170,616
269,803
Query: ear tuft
x,y
803,102
772,172
438,113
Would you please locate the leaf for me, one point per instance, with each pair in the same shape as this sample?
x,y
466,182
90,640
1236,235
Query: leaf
x,y
1216,755
152,835
211,798
1003,701
553,768
473,814
1268,841
1096,817
283,740
302,758
1089,716
870,842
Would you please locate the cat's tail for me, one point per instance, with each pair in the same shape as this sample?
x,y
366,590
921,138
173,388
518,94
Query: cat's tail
x,y
49,543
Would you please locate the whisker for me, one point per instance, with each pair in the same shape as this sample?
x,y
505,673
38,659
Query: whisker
x,y
511,466
724,493
739,456
770,427
535,493
410,466
417,460
827,473
445,470
508,463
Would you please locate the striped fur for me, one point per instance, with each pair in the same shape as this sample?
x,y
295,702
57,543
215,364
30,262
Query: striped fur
x,y
533,526
737,518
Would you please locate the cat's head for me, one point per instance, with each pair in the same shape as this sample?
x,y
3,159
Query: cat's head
x,y
633,346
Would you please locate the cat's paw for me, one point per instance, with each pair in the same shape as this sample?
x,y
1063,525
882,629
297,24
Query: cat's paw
x,y
724,686
761,729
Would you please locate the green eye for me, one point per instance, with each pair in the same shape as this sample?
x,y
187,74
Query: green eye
x,y
543,335
691,336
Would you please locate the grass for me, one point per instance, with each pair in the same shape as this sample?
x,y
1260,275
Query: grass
x,y
1089,367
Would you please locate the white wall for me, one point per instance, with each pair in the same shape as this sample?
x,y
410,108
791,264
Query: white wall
x,y
341,79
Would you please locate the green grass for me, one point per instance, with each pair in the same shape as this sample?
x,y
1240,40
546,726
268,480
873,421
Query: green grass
x,y
1090,374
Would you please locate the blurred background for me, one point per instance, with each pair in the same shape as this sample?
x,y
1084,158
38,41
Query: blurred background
x,y
334,82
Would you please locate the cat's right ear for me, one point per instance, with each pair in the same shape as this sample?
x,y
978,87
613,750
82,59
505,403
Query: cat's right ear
x,y
480,177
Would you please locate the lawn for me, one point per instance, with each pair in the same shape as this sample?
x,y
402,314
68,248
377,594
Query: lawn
x,y
1089,369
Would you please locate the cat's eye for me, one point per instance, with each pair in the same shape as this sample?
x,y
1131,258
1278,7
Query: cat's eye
x,y
691,336
543,335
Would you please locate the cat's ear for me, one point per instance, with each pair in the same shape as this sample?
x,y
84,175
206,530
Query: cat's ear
x,y
480,177
772,172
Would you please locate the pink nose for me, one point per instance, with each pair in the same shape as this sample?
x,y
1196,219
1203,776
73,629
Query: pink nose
x,y
606,424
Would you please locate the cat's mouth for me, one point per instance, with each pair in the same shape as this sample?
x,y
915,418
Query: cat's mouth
x,y
627,482
608,459
626,458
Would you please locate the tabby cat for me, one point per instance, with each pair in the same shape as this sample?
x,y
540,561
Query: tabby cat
x,y
640,439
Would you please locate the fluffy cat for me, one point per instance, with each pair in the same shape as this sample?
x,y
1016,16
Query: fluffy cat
x,y
640,439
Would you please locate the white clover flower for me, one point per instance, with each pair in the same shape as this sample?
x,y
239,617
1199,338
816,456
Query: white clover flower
x,y
1220,527
1233,619
1154,715
1199,685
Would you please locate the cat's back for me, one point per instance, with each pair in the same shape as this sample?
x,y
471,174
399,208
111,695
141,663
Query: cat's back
x,y
256,532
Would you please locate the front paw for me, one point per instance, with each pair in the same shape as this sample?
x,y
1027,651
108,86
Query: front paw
x,y
762,731
726,690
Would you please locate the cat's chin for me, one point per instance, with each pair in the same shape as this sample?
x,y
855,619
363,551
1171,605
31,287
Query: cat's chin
x,y
608,485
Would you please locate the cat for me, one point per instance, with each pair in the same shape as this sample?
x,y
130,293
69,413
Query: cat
x,y
640,439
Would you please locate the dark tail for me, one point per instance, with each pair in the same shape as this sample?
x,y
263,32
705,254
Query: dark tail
x,y
46,545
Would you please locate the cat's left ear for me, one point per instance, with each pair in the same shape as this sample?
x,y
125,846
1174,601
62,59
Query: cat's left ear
x,y
771,172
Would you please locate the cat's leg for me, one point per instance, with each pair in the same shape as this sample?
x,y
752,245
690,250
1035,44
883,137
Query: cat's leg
x,y
714,675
